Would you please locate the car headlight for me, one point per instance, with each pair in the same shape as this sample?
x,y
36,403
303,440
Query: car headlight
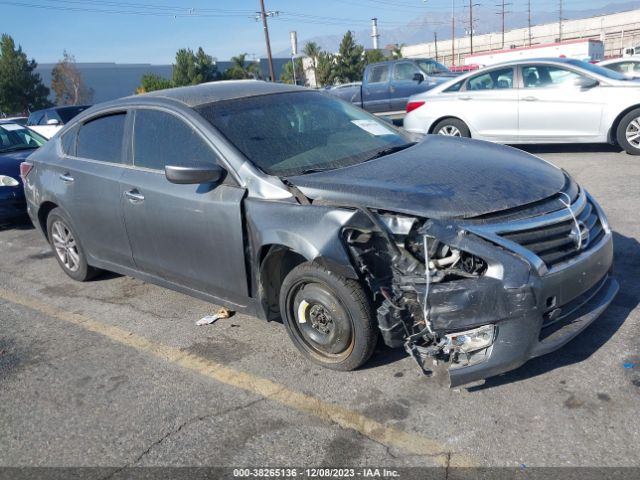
x,y
7,181
471,340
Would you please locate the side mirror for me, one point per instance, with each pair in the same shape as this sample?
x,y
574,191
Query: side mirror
x,y
586,82
418,77
193,175
53,122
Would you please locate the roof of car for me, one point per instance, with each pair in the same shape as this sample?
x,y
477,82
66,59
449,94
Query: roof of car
x,y
204,93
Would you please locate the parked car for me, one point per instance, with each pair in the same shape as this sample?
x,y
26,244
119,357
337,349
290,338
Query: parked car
x,y
16,144
387,86
533,101
289,203
629,66
49,121
18,120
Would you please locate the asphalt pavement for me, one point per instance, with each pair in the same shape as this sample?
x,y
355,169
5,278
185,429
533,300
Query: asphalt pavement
x,y
115,373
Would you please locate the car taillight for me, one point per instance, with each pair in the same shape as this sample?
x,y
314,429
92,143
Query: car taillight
x,y
25,168
413,105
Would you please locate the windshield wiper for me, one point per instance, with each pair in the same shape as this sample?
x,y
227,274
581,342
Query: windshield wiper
x,y
390,150
16,148
316,170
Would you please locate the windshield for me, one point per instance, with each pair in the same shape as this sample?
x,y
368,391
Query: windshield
x,y
431,67
67,113
603,72
16,137
300,132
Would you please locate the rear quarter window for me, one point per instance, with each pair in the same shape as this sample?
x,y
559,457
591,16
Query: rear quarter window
x,y
101,138
455,87
68,142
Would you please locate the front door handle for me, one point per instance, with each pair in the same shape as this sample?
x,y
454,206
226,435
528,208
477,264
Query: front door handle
x,y
465,98
530,99
66,178
134,196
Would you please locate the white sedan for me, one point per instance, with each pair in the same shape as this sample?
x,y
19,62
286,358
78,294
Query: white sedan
x,y
629,66
533,101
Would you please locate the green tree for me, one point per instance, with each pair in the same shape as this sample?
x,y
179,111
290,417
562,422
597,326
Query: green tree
x,y
350,61
193,68
240,68
151,82
287,73
325,70
312,50
396,51
373,56
67,83
21,90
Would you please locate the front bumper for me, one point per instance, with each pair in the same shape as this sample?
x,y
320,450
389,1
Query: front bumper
x,y
551,310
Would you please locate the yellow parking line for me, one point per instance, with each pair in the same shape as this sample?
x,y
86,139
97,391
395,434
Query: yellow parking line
x,y
330,412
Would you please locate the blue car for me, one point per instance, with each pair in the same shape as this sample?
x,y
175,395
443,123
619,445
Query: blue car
x,y
16,144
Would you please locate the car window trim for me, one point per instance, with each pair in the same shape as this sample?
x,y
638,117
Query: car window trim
x,y
98,115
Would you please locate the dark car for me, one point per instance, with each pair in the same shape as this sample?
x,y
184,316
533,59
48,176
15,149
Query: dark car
x,y
16,144
49,121
289,203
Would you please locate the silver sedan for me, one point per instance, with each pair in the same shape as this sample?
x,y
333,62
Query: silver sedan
x,y
629,66
533,101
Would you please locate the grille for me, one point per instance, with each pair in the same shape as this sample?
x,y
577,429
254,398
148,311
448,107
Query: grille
x,y
556,243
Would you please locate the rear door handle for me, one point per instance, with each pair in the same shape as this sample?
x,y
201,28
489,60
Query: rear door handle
x,y
530,99
66,178
465,98
134,196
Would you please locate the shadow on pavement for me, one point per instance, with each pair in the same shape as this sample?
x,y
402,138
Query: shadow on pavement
x,y
569,148
20,223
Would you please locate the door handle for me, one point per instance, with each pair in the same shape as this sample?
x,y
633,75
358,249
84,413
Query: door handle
x,y
392,89
530,99
134,196
465,98
66,178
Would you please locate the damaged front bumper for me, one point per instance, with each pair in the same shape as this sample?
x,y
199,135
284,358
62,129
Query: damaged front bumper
x,y
517,308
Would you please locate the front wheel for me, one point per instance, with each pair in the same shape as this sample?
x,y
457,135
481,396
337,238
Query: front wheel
x,y
452,127
628,133
328,317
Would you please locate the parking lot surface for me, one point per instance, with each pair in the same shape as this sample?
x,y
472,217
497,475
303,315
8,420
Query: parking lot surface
x,y
115,373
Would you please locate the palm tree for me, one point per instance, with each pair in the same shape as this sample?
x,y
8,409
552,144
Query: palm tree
x,y
241,69
312,50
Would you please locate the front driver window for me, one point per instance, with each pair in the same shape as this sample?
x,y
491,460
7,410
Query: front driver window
x,y
404,71
547,76
162,139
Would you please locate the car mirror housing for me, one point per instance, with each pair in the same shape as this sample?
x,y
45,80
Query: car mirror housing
x,y
585,82
193,174
53,122
418,77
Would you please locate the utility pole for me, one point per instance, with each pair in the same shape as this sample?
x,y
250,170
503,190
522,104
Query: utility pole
x,y
435,41
471,21
529,19
503,13
264,15
453,33
560,22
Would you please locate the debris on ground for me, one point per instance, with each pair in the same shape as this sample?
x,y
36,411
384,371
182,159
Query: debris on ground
x,y
209,319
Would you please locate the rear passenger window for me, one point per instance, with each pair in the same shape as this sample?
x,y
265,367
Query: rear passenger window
x,y
101,139
162,139
455,87
379,74
68,141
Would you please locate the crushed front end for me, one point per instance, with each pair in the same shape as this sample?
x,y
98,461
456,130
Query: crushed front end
x,y
478,297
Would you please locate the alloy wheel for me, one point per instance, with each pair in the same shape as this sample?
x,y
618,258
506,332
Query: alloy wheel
x,y
65,246
450,131
633,132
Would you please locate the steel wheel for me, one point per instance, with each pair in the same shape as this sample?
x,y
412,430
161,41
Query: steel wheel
x,y
65,246
632,132
449,131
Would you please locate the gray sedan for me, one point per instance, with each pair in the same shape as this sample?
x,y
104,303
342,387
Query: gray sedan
x,y
533,101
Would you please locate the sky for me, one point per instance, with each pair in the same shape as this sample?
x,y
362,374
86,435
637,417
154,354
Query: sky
x,y
151,31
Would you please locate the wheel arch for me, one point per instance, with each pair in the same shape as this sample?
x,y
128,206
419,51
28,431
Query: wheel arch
x,y
43,214
612,134
445,117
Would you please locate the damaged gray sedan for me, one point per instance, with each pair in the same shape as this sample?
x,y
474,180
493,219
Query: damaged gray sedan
x,y
289,204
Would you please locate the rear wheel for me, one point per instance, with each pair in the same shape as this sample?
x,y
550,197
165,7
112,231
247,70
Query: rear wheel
x,y
328,317
628,133
66,246
452,127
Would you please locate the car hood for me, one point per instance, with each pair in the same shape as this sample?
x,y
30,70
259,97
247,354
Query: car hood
x,y
10,162
439,178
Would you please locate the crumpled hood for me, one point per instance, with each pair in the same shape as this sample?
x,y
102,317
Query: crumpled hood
x,y
441,177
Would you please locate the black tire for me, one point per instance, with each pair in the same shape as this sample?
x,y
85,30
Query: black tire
x,y
630,124
338,331
71,257
450,124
